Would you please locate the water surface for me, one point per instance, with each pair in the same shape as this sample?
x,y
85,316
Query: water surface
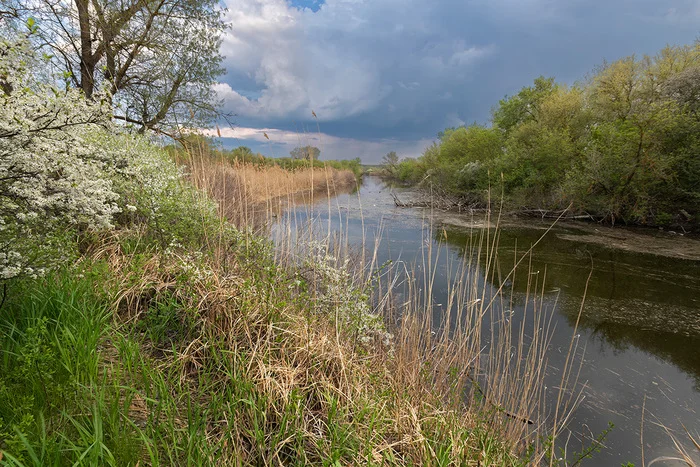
x,y
640,324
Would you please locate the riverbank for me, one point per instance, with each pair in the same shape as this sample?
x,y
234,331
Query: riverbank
x,y
638,325
423,197
640,239
248,195
683,242
176,338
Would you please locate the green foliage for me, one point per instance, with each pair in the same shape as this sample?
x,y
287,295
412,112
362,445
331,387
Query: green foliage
x,y
623,146
524,106
391,159
309,153
245,155
55,406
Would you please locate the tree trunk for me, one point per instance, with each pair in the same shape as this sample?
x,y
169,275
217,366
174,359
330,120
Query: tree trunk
x,y
87,62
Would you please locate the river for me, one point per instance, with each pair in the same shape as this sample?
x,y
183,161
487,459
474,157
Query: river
x,y
640,325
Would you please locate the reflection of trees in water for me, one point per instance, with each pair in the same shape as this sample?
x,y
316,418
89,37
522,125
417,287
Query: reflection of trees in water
x,y
632,299
678,350
617,274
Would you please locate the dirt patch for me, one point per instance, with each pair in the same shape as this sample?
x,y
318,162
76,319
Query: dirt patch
x,y
672,247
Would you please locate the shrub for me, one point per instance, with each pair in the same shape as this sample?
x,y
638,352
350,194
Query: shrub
x,y
66,169
51,179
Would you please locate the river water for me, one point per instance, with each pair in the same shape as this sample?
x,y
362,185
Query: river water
x,y
640,325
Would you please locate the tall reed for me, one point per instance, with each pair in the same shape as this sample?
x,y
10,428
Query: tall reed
x,y
480,364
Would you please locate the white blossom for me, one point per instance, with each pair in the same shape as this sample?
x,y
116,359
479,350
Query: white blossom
x,y
338,294
64,166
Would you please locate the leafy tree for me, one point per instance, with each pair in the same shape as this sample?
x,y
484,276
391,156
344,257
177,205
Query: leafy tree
x,y
524,106
157,59
49,177
469,144
390,159
310,153
684,89
623,145
444,134
66,169
241,154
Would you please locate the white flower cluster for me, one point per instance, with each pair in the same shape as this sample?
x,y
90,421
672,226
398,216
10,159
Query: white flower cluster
x,y
189,262
50,179
65,166
337,293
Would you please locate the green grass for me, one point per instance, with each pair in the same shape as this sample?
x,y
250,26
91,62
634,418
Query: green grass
x,y
56,401
202,345
126,360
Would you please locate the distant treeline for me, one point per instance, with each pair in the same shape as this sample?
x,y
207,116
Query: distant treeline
x,y
622,145
306,157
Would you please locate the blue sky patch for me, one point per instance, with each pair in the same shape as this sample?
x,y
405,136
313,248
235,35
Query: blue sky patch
x,y
313,5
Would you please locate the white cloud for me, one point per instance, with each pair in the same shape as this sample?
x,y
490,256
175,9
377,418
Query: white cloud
x,y
405,68
337,62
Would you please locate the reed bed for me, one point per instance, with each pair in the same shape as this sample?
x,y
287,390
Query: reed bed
x,y
472,371
248,194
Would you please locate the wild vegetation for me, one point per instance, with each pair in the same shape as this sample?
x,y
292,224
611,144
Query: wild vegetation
x,y
141,326
301,158
620,146
154,62
146,319
249,188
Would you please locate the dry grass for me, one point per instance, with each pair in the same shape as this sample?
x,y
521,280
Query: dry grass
x,y
307,378
249,194
239,353
465,390
234,351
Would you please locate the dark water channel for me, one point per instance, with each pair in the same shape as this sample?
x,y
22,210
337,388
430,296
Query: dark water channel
x,y
640,324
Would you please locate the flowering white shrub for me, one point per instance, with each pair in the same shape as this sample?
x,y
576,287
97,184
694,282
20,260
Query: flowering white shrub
x,y
50,180
64,167
336,293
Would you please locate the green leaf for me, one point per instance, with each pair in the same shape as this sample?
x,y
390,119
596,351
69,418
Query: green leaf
x,y
31,25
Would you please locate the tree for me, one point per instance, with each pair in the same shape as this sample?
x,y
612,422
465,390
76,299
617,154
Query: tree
x,y
391,159
684,89
66,168
309,153
470,144
524,106
241,154
158,59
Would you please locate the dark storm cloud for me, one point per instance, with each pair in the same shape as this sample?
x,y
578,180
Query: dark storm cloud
x,y
404,69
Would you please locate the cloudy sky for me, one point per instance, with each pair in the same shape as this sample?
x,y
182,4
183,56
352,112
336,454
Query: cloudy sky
x,y
386,75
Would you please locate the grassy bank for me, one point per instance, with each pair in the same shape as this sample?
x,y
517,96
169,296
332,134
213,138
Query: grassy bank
x,y
244,156
147,319
176,338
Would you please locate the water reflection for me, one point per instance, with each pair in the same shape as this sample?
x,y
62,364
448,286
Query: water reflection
x,y
640,323
632,299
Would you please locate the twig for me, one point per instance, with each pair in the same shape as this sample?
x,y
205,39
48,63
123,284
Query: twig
x,y
4,294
